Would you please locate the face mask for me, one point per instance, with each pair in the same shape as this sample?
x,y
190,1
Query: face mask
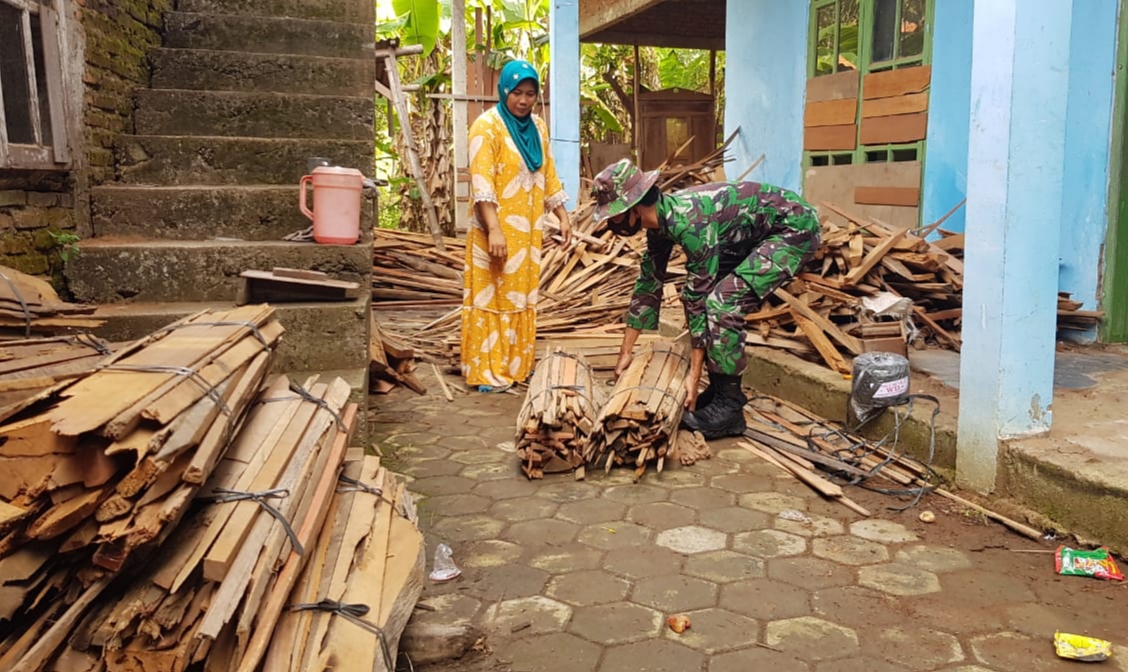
x,y
626,227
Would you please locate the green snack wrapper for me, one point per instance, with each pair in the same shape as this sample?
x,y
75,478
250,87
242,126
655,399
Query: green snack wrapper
x,y
1097,563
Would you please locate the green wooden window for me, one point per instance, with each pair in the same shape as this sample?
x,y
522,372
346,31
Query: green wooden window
x,y
868,36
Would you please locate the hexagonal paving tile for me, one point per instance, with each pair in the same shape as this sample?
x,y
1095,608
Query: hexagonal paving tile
x,y
897,579
491,471
558,652
585,589
772,502
428,468
567,558
716,630
636,493
487,456
442,485
468,528
1042,620
503,583
936,559
679,477
854,604
616,623
408,439
739,455
882,531
1012,651
692,539
810,573
701,499
643,561
449,609
614,535
812,638
916,648
672,594
980,588
455,505
734,519
568,491
464,442
523,508
661,515
591,511
713,467
952,616
536,615
752,659
769,543
850,550
507,489
724,566
487,553
813,526
765,600
742,484
539,533
858,664
656,656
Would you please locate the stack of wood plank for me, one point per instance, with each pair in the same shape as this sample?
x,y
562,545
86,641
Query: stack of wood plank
x,y
29,366
804,444
102,469
31,305
391,362
558,415
1072,318
640,419
364,576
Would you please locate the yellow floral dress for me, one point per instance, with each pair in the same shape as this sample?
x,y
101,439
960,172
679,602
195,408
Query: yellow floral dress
x,y
499,302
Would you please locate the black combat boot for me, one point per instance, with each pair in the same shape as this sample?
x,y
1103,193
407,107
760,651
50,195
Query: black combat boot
x,y
725,415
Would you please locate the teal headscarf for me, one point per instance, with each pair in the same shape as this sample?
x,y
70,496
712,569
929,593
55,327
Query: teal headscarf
x,y
523,130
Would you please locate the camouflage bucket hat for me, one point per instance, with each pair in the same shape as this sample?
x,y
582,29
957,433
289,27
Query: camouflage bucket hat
x,y
619,187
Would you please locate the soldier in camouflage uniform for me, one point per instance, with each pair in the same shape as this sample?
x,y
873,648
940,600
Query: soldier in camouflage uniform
x,y
742,240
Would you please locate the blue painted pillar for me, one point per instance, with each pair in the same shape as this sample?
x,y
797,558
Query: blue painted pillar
x,y
1019,89
564,86
945,165
765,85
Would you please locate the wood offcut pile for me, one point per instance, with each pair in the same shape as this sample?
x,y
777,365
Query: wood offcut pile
x,y
558,415
825,456
161,510
638,423
30,305
391,362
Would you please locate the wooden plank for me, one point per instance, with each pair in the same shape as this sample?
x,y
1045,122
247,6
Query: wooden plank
x,y
56,94
896,82
888,107
824,347
903,196
842,85
873,258
849,342
830,137
897,129
831,113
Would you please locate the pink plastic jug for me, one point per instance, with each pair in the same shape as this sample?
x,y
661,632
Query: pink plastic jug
x,y
336,204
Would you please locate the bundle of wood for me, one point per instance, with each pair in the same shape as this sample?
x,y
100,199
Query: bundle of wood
x,y
31,305
558,415
641,416
220,582
391,361
112,465
29,366
362,581
803,443
1072,318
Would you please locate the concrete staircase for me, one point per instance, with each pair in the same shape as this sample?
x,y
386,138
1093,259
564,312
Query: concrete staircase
x,y
243,93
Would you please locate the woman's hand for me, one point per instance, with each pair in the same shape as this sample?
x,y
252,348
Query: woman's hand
x,y
498,248
691,384
565,230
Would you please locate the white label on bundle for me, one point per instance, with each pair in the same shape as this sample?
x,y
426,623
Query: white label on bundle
x,y
892,388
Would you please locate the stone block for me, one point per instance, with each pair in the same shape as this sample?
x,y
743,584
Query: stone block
x,y
273,35
352,11
280,73
12,197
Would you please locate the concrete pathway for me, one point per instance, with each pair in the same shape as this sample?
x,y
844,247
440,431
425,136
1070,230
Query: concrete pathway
x,y
567,576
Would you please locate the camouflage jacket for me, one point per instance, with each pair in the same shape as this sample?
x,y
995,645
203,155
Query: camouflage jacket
x,y
718,226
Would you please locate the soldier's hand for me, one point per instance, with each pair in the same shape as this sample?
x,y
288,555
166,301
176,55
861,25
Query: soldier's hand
x,y
625,359
691,383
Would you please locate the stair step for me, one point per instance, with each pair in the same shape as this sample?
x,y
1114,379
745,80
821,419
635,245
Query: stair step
x,y
318,335
206,70
202,160
227,32
201,212
256,115
108,270
352,11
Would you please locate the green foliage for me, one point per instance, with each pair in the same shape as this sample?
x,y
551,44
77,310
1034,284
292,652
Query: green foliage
x,y
422,22
66,243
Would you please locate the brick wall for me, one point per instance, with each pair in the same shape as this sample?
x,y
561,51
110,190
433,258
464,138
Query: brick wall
x,y
39,211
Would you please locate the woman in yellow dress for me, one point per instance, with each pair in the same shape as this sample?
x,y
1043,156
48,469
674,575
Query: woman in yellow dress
x,y
514,186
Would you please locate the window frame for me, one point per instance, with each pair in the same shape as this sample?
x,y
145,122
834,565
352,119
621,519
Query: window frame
x,y
40,156
866,15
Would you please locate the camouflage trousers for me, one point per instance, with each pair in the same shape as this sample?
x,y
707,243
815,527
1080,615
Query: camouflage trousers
x,y
746,280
